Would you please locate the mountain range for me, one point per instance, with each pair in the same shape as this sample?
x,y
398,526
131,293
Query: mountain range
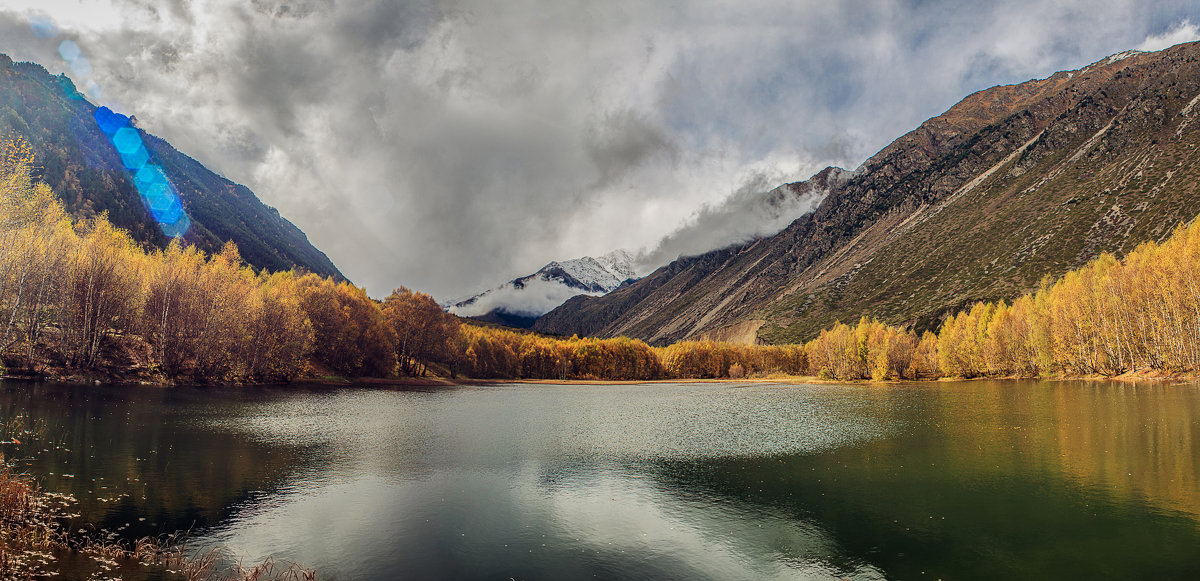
x,y
80,163
519,302
747,214
1012,184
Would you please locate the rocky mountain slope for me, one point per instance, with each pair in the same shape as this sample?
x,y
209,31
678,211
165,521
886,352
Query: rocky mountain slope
x,y
1012,184
519,302
83,167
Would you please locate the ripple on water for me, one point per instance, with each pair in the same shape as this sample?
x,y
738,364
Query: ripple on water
x,y
619,422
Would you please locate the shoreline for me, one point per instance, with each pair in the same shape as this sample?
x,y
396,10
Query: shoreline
x,y
445,382
810,380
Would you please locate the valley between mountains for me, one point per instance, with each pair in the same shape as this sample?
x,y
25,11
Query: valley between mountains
x,y
967,221
1012,184
974,355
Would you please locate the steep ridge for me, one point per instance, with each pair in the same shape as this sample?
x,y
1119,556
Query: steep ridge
x,y
1012,184
678,294
81,165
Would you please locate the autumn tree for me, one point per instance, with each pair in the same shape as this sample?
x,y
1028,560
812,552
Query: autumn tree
x,y
170,280
925,359
836,353
35,241
278,335
421,329
350,335
101,292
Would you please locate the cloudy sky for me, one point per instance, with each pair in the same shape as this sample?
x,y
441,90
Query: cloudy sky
x,y
450,146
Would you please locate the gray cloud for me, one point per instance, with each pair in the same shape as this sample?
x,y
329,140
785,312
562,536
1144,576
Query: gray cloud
x,y
758,208
623,141
450,145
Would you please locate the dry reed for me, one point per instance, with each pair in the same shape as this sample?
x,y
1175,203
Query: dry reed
x,y
32,531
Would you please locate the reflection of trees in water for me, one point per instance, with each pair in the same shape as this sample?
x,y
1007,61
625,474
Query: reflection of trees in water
x,y
1132,440
134,459
1136,440
993,480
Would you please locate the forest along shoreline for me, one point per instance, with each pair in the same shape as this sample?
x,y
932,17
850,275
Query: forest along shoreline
x,y
81,302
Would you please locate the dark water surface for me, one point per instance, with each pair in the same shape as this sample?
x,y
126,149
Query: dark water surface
x,y
979,480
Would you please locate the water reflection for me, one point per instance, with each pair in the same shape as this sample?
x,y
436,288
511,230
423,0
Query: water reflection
x,y
1136,440
977,480
998,481
129,458
461,525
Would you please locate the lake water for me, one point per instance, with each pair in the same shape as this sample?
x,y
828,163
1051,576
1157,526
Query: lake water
x,y
974,480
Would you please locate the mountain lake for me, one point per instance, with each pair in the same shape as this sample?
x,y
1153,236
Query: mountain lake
x,y
947,480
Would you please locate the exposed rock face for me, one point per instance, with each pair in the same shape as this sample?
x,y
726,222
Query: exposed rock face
x,y
1012,184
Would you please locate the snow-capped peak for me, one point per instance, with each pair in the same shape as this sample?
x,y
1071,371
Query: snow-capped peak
x,y
619,262
592,274
534,295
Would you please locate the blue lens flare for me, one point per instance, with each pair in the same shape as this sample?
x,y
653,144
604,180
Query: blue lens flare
x,y
158,195
178,228
149,176
69,88
81,66
169,213
69,51
126,140
108,121
136,160
94,90
43,27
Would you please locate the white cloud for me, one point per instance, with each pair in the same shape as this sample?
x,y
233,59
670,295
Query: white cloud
x,y
1185,31
755,210
75,15
535,299
449,145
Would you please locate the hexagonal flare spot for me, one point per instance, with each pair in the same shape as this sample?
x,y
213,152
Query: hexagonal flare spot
x,y
135,161
108,121
150,180
178,228
126,140
69,51
170,213
147,177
